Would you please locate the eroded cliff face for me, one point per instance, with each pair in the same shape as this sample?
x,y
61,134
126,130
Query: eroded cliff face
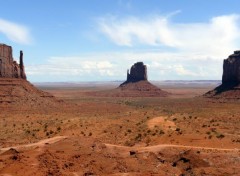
x,y
138,72
230,87
231,69
8,67
6,61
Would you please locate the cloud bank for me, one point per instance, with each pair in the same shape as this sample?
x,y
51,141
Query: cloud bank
x,y
15,32
114,65
216,37
171,50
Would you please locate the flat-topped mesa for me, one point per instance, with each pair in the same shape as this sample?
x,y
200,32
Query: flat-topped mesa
x,y
231,69
138,72
230,87
8,67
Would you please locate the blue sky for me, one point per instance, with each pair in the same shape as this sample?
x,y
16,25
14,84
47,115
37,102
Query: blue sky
x,y
98,40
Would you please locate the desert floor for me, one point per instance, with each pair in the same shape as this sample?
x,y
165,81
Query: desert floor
x,y
183,134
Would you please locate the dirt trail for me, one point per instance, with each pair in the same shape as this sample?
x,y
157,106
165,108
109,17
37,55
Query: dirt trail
x,y
37,144
154,148
157,148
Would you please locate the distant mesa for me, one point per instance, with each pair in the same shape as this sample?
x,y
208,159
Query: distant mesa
x,y
231,70
230,87
8,67
137,83
15,90
138,72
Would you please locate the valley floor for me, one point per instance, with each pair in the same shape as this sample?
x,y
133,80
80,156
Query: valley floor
x,y
96,135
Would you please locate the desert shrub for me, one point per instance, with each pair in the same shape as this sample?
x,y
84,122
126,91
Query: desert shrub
x,y
27,131
177,129
220,136
161,132
129,130
138,137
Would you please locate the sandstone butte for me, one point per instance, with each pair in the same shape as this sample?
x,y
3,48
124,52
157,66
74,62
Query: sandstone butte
x,y
137,83
15,90
8,67
230,87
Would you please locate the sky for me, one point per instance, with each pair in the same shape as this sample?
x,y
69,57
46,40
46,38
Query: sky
x,y
98,40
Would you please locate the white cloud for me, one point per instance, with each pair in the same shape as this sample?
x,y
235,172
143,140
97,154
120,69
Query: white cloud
x,y
180,50
71,66
180,70
15,32
216,37
114,65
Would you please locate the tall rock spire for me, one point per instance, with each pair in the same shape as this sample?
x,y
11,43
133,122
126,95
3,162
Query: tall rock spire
x,y
21,65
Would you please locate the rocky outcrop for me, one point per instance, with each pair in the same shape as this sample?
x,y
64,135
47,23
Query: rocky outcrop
x,y
230,87
138,72
15,91
8,67
137,84
231,69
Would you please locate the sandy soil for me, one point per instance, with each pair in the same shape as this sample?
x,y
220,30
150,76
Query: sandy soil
x,y
90,135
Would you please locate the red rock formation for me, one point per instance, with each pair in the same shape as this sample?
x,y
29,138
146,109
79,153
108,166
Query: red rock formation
x,y
21,65
230,87
8,67
137,84
138,72
231,69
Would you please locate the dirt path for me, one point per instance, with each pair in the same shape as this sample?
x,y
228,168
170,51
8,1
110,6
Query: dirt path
x,y
37,144
158,148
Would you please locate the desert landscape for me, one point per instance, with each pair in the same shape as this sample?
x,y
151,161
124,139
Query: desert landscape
x,y
119,88
107,128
